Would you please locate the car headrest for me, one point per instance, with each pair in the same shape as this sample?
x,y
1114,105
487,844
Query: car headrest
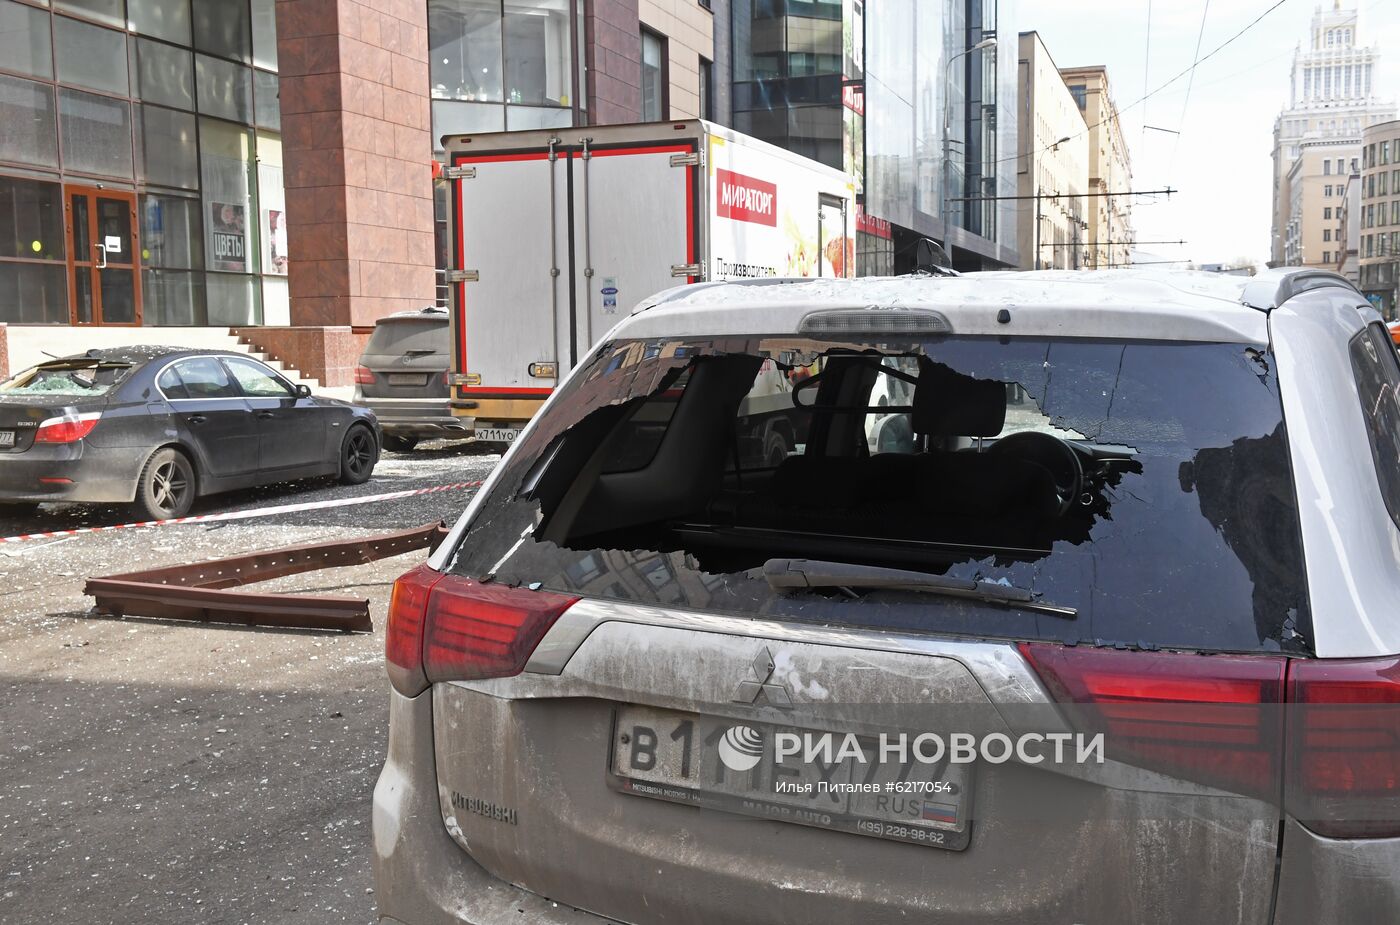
x,y
948,403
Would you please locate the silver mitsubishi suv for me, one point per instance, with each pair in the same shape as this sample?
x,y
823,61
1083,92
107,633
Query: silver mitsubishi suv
x,y
1061,598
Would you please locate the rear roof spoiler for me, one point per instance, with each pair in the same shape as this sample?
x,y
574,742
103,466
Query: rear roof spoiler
x,y
1272,288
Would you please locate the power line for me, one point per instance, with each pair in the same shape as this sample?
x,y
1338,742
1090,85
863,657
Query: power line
x,y
1130,192
1186,103
1202,60
1146,70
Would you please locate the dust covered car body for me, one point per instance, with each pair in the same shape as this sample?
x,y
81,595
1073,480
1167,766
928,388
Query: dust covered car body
x,y
159,426
1104,632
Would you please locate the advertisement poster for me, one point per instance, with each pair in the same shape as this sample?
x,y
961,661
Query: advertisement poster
x,y
275,234
853,92
228,237
775,216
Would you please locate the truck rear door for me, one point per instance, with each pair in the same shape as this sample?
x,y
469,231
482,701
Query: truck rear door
x,y
511,306
634,229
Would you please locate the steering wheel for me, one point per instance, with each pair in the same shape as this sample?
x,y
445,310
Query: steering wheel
x,y
1055,454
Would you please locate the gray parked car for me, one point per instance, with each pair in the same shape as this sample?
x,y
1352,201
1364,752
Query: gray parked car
x,y
656,675
402,377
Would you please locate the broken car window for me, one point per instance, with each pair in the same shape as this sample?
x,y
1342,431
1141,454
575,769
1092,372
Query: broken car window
x,y
86,379
1124,479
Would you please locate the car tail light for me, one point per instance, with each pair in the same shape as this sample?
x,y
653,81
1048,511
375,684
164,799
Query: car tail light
x,y
67,428
363,375
485,630
448,628
1215,719
1344,745
403,637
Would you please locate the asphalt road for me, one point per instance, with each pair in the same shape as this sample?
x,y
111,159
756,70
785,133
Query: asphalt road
x,y
160,772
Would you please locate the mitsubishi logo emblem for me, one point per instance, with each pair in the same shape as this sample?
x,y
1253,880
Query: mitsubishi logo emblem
x,y
758,683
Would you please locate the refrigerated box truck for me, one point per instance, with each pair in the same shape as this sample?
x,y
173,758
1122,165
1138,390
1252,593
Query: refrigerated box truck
x,y
556,234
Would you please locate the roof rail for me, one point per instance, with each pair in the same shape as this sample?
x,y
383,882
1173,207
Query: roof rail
x,y
1271,288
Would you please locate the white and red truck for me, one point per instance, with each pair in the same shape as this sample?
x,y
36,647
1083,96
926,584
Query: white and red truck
x,y
556,234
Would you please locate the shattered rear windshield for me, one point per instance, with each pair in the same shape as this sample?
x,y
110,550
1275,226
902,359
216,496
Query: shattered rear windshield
x,y
1145,485
85,378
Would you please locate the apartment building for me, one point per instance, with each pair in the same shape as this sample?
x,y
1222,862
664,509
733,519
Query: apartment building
x,y
1109,210
1379,214
1349,229
1052,170
1316,184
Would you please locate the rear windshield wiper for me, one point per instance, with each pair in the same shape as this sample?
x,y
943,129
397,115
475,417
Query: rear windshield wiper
x,y
782,574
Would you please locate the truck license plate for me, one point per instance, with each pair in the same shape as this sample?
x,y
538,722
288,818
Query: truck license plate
x,y
497,434
689,758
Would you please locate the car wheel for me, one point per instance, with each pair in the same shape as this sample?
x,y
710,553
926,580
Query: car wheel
x,y
397,444
166,488
358,454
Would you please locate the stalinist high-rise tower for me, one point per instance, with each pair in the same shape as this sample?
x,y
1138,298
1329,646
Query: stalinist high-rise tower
x,y
1332,97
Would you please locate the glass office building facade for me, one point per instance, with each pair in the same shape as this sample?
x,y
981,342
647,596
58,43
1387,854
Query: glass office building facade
x,y
140,163
870,91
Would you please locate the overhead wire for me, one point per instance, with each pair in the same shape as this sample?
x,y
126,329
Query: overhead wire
x,y
1147,68
1186,103
1146,96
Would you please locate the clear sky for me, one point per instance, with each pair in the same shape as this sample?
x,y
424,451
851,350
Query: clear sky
x,y
1221,160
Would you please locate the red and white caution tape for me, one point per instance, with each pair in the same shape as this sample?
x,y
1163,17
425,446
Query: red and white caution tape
x,y
244,515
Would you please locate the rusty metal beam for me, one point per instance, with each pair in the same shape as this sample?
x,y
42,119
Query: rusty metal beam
x,y
195,592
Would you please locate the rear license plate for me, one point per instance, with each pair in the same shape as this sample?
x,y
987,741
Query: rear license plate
x,y
497,434
7,438
692,759
408,379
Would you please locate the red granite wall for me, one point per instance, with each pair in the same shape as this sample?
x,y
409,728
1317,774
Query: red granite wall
x,y
326,353
357,153
614,58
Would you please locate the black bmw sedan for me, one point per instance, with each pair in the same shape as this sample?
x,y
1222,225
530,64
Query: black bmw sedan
x,y
159,426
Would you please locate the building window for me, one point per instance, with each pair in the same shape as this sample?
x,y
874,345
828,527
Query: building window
x,y
484,52
653,76
33,275
1327,191
1326,256
90,56
1080,95
465,38
1395,212
707,90
164,19
31,129
1327,212
95,132
1327,234
1380,184
223,28
106,11
25,45
1327,168
167,150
